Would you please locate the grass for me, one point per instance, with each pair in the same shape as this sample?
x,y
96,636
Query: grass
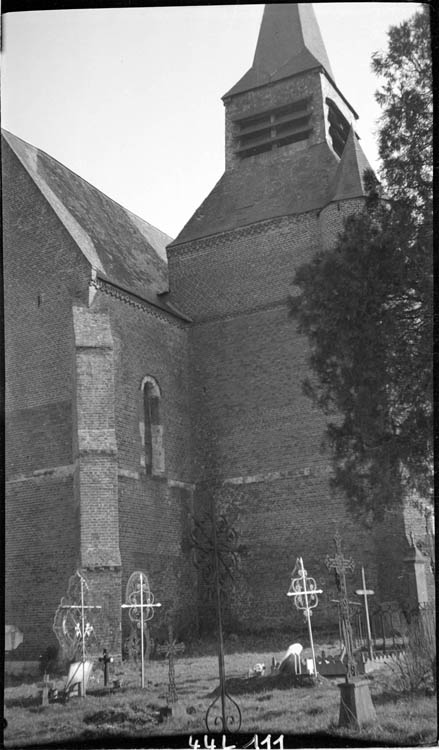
x,y
130,712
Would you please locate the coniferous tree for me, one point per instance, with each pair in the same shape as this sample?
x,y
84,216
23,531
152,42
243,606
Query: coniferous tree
x,y
366,304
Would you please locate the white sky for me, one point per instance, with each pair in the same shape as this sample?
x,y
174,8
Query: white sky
x,y
130,98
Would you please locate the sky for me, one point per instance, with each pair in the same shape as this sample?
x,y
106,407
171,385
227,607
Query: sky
x,y
130,98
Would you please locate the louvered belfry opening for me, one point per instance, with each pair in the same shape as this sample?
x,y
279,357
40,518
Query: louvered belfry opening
x,y
270,129
338,127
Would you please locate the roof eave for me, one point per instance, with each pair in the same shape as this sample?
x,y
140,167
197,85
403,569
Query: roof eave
x,y
163,306
318,67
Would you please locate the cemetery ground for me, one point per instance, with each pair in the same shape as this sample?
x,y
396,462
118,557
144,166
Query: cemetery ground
x,y
403,718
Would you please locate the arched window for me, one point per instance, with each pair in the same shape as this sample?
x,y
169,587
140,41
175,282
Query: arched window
x,y
151,428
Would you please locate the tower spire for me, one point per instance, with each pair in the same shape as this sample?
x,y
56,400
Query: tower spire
x,y
349,179
289,42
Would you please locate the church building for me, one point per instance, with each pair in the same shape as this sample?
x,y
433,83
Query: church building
x,y
144,372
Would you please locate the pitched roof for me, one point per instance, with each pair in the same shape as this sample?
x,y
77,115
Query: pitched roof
x,y
124,248
349,177
289,42
274,187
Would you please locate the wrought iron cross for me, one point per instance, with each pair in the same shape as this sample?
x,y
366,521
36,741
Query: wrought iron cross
x,y
341,565
140,605
304,590
106,660
71,623
215,554
171,649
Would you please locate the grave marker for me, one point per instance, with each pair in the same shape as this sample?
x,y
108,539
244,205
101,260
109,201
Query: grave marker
x,y
106,661
341,565
216,554
171,649
73,624
140,605
356,707
364,592
304,590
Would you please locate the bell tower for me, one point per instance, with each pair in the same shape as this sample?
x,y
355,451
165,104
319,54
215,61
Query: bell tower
x,y
293,170
286,128
288,100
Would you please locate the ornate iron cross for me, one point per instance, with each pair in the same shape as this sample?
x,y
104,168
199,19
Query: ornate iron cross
x,y
304,590
140,605
171,649
73,621
215,555
341,565
215,551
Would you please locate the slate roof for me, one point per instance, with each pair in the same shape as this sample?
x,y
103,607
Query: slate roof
x,y
349,177
256,191
123,248
289,42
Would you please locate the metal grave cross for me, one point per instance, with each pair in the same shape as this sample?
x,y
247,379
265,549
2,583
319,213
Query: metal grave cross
x,y
170,649
140,605
71,624
106,660
338,603
364,592
304,590
216,554
341,565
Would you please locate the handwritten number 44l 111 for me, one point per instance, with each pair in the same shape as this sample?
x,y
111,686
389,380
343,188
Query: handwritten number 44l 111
x,y
255,743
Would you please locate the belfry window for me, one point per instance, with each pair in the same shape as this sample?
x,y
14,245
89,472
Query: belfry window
x,y
151,428
267,130
338,127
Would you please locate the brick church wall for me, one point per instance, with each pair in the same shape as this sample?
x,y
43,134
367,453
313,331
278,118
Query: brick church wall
x,y
82,487
247,364
58,374
43,270
249,268
332,217
267,442
153,510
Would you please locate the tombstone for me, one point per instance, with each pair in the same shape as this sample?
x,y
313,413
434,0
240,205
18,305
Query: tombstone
x,y
290,664
13,637
45,692
78,678
415,563
274,665
311,667
329,666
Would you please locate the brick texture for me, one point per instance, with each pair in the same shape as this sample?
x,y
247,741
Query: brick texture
x,y
43,272
232,410
78,496
153,512
247,372
252,426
